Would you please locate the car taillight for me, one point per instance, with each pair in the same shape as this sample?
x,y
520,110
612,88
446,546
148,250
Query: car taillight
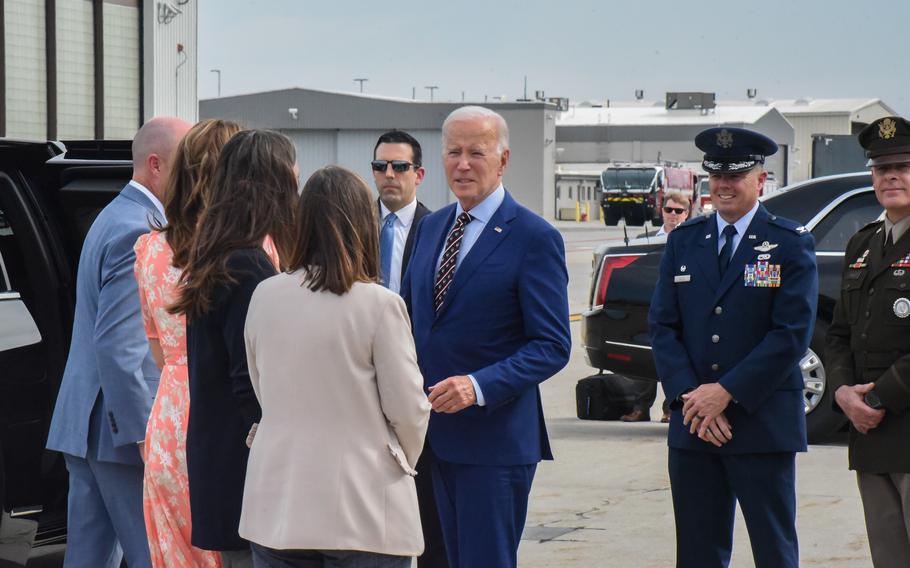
x,y
610,264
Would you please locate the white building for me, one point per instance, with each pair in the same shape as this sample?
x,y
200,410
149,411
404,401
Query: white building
x,y
95,69
342,128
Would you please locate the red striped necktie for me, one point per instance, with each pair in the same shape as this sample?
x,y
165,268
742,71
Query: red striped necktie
x,y
446,271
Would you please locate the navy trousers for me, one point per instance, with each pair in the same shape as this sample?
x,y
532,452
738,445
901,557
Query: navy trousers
x,y
706,488
482,510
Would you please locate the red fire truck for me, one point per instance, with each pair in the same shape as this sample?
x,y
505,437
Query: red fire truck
x,y
635,192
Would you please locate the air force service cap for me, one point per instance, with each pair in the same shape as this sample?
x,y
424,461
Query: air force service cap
x,y
732,150
886,141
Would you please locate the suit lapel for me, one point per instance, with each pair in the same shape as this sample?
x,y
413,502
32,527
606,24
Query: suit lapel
x,y
494,232
419,214
745,251
706,252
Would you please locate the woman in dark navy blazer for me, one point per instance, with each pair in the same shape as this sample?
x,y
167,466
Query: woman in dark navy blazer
x,y
253,197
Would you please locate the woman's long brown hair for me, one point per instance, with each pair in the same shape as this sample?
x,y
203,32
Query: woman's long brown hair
x,y
337,239
252,197
188,185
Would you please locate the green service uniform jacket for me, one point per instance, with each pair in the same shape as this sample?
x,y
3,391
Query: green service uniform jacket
x,y
869,341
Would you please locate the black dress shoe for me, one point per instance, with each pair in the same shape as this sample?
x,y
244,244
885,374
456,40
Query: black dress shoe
x,y
636,416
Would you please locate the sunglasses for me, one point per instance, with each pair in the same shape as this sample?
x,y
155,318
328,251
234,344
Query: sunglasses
x,y
398,166
677,210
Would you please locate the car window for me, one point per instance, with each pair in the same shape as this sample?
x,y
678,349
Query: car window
x,y
6,233
833,232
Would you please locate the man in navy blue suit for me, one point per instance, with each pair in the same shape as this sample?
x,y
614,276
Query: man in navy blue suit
x,y
731,317
486,289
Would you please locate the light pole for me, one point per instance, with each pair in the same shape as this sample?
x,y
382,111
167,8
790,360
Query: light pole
x,y
219,80
361,81
431,88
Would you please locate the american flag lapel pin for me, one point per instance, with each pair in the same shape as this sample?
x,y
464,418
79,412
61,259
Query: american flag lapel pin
x,y
497,229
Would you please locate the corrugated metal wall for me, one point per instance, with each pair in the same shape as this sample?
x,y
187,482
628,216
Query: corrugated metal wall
x,y
122,69
75,70
804,126
353,149
170,86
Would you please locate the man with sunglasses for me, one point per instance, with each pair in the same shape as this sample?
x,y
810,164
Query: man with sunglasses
x,y
397,172
868,346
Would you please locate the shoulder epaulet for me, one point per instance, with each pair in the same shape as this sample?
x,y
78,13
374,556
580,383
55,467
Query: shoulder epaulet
x,y
788,224
872,225
692,222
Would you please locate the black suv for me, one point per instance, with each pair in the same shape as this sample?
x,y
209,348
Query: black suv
x,y
50,192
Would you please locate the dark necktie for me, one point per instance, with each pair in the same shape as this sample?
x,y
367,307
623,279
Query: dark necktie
x,y
726,253
887,244
446,271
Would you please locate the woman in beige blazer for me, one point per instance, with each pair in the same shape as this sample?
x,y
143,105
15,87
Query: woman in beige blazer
x,y
332,362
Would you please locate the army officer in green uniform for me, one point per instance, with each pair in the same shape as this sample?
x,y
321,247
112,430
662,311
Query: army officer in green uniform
x,y
868,347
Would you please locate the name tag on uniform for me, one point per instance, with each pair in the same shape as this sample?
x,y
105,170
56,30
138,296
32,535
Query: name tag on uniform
x,y
682,278
762,275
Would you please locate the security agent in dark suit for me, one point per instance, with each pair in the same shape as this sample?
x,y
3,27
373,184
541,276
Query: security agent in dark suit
x,y
868,346
397,171
731,317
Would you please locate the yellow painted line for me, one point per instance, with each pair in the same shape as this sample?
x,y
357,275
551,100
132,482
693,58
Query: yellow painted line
x,y
575,317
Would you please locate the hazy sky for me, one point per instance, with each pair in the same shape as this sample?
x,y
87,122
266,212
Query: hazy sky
x,y
581,49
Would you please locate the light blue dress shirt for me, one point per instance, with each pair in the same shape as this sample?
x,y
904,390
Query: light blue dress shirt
x,y
480,216
741,225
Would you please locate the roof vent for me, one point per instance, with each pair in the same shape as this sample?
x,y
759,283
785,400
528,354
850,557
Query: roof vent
x,y
803,102
690,101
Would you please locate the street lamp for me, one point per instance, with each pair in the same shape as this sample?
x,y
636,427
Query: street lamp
x,y
219,80
361,81
431,88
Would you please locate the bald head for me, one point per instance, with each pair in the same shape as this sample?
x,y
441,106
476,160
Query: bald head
x,y
153,151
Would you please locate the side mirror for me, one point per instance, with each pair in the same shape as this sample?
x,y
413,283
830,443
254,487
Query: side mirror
x,y
17,327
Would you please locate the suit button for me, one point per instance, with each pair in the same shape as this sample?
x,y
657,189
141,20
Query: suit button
x,y
868,314
903,284
871,291
718,310
715,366
715,338
862,336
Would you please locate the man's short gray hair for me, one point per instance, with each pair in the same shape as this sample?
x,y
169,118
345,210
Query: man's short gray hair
x,y
472,112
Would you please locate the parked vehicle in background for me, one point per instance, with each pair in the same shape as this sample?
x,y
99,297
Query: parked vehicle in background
x,y
615,327
48,201
635,192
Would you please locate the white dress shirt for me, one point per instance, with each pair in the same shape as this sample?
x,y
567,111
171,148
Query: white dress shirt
x,y
741,225
405,218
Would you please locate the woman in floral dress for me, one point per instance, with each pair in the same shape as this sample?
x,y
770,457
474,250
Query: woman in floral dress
x,y
166,498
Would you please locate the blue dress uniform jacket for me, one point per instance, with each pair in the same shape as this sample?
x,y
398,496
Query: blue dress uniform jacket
x,y
707,327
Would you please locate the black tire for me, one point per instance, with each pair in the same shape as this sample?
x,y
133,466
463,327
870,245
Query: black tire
x,y
611,216
822,422
635,217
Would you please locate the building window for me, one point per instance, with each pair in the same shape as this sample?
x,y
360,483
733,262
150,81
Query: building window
x,y
75,70
26,69
121,68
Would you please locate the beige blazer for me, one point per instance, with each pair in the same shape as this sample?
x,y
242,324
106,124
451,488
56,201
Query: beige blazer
x,y
343,420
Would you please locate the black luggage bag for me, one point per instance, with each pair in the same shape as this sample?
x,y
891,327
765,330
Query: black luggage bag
x,y
607,396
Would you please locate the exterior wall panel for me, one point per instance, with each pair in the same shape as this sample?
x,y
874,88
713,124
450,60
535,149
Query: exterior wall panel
x,y
26,68
75,70
122,67
170,86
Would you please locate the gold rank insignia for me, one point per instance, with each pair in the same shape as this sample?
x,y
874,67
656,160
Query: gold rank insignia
x,y
887,129
724,138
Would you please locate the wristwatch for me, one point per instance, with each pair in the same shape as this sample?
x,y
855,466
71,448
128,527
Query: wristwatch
x,y
871,399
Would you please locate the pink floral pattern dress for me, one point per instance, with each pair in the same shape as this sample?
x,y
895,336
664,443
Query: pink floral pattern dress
x,y
166,496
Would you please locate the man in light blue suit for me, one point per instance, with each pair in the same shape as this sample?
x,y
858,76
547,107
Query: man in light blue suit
x,y
110,379
486,288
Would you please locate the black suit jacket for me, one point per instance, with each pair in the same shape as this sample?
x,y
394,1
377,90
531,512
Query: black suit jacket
x,y
419,214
